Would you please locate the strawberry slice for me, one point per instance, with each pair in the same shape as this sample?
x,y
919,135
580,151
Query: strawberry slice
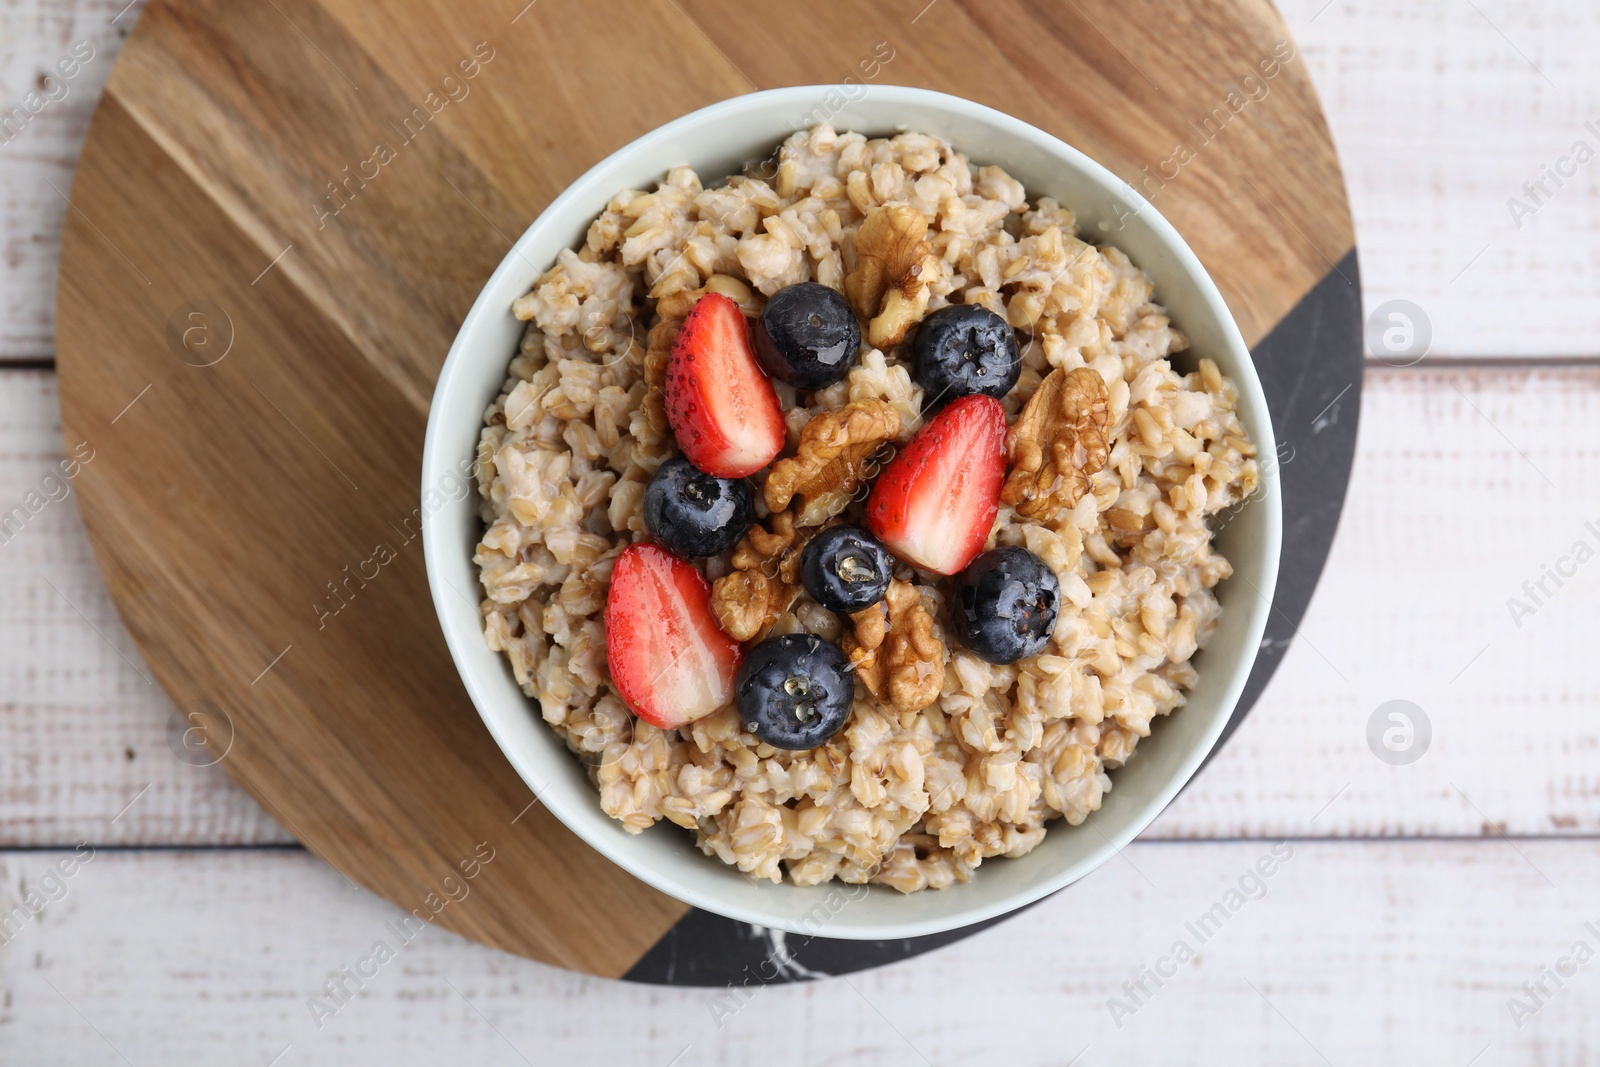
x,y
934,503
669,659
722,408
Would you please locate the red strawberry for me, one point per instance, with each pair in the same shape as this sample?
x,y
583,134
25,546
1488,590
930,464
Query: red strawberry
x,y
669,659
934,503
723,410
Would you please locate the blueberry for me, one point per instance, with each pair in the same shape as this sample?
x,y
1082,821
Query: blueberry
x,y
963,349
691,514
808,336
794,691
1005,605
845,568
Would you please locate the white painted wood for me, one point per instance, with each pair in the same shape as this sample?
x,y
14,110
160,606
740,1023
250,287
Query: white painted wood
x,y
34,35
1404,952
1444,522
1440,115
1437,118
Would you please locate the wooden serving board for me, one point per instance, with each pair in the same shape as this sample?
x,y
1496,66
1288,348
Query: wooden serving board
x,y
283,212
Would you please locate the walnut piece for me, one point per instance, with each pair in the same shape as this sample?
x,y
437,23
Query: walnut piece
x,y
894,650
894,264
658,345
1058,441
678,303
764,582
832,460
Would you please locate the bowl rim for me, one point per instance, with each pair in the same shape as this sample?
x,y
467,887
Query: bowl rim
x,y
485,308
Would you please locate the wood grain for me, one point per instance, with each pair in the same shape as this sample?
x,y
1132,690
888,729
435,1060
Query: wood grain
x,y
1445,521
236,493
373,694
1357,953
84,729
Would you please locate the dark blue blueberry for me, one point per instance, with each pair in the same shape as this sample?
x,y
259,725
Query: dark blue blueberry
x,y
845,568
1006,604
808,336
963,349
794,691
691,514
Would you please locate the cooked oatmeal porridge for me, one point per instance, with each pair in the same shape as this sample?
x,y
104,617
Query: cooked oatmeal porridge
x,y
1108,462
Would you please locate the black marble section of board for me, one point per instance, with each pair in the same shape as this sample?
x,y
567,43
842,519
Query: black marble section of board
x,y
1310,366
707,950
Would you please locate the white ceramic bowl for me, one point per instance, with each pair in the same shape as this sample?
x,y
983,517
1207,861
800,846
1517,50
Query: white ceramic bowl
x,y
716,141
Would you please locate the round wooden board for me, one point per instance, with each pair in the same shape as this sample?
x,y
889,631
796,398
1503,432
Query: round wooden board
x,y
256,516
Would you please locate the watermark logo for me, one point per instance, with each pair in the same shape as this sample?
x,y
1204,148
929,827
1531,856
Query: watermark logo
x,y
47,889
1138,991
1553,177
1541,590
779,962
200,733
1399,333
1251,87
345,187
852,88
452,487
344,985
1542,988
54,86
54,486
1399,732
200,333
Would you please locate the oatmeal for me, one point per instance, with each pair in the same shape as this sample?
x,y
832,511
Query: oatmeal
x,y
1111,465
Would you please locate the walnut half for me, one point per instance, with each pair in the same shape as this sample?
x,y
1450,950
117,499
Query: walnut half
x,y
764,581
832,460
895,651
1057,443
658,348
894,264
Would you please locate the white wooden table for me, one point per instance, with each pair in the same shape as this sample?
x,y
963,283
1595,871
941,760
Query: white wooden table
x,y
1440,912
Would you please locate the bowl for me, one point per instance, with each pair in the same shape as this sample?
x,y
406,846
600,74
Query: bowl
x,y
717,141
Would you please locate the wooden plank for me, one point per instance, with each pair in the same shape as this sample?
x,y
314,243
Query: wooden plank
x,y
1445,522
37,158
1440,113
1407,952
